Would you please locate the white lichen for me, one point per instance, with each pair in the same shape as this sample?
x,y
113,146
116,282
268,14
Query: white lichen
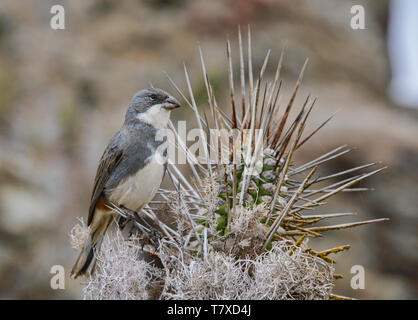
x,y
79,234
121,272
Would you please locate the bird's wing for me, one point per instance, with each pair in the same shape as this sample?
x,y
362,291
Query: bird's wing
x,y
110,159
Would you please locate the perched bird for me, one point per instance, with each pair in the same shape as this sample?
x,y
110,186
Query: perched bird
x,y
131,168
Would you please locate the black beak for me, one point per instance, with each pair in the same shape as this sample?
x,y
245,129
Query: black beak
x,y
171,103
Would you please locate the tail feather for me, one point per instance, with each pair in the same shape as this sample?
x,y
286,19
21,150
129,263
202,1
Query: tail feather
x,y
86,260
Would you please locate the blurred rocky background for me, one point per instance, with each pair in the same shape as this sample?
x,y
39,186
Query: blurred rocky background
x,y
63,94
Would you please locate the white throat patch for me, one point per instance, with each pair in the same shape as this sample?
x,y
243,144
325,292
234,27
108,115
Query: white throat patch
x,y
155,116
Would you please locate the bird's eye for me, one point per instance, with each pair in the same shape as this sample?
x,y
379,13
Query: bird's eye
x,y
153,97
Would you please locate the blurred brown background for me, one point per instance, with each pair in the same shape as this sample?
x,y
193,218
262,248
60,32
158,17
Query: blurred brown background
x,y
63,94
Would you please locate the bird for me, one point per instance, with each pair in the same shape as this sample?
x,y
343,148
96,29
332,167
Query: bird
x,y
130,170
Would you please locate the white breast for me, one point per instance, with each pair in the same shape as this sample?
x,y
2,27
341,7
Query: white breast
x,y
137,190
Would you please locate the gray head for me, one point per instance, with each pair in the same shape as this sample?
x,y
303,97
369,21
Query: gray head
x,y
152,106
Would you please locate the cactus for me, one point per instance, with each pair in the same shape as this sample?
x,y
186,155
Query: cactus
x,y
254,206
